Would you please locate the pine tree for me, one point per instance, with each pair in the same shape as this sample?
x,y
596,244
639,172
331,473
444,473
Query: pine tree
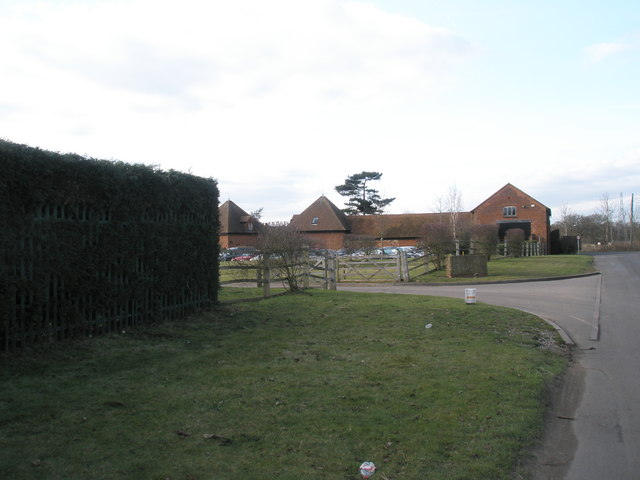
x,y
362,200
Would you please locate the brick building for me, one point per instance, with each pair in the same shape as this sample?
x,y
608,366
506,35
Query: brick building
x,y
326,226
511,208
237,227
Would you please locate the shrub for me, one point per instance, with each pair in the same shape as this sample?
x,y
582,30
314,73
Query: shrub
x,y
437,240
91,246
283,248
485,239
514,239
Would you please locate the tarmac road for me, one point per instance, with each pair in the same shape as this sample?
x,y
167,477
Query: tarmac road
x,y
594,431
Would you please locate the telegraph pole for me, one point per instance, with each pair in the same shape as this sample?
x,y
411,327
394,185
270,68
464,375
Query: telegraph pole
x,y
631,221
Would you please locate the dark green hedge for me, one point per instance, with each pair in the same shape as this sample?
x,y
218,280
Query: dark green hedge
x,y
89,246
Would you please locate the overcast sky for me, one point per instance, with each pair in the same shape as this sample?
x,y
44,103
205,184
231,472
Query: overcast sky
x,y
281,100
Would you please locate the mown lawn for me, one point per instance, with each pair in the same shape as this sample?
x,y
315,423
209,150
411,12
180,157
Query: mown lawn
x,y
304,386
524,268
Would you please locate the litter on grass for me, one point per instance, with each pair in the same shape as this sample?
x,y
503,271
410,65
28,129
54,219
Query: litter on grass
x,y
367,469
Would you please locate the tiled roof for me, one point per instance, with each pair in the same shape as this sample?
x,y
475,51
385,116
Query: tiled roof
x,y
321,216
406,225
234,219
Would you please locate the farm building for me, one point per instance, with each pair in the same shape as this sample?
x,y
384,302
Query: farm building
x,y
326,226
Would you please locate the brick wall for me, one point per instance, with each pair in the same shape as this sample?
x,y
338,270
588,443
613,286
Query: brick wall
x,y
237,240
330,240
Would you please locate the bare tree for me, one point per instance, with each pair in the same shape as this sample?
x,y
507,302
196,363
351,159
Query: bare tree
x,y
451,205
283,248
631,217
454,208
607,210
437,240
565,218
622,231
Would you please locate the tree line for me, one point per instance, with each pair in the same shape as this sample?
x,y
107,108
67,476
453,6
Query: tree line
x,y
612,224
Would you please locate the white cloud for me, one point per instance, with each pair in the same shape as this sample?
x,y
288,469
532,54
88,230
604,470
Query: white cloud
x,y
229,52
282,100
242,91
603,51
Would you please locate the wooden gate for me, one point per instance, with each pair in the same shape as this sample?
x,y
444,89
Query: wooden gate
x,y
373,268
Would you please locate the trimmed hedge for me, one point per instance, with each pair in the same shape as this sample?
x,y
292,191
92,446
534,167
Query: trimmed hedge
x,y
90,246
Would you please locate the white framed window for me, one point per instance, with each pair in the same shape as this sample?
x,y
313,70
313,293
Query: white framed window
x,y
314,221
509,211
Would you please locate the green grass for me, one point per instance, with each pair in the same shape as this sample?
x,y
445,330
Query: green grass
x,y
300,386
235,294
231,271
505,269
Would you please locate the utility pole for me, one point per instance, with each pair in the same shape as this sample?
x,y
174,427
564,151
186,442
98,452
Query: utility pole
x,y
622,218
631,222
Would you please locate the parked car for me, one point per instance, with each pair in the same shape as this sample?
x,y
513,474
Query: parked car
x,y
411,252
242,258
320,253
273,256
236,252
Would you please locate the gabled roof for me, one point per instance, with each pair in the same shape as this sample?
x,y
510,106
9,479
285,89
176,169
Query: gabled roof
x,y
510,190
404,225
321,216
234,219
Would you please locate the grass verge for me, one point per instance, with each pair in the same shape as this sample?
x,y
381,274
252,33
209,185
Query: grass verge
x,y
508,269
300,386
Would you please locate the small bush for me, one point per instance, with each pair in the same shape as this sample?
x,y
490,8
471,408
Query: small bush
x,y
514,238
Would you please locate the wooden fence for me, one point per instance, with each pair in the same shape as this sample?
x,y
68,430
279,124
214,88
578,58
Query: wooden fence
x,y
528,249
327,272
312,273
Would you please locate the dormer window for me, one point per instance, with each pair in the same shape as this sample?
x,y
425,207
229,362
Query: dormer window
x,y
314,221
509,211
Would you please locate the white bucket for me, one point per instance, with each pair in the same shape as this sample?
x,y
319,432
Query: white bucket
x,y
469,296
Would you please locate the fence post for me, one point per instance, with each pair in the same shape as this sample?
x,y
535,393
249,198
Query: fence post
x,y
404,267
266,281
325,272
259,277
332,267
305,273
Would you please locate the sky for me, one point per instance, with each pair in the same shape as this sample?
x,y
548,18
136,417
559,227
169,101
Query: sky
x,y
281,101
